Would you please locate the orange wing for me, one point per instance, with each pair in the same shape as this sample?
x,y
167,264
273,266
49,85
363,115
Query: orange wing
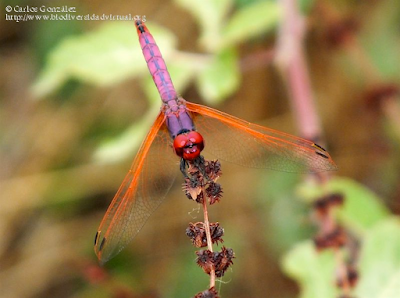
x,y
148,181
235,140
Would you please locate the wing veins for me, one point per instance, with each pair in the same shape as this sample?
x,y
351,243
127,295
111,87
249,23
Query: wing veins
x,y
280,142
121,199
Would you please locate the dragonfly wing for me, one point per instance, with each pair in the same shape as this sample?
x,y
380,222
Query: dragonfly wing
x,y
148,181
241,142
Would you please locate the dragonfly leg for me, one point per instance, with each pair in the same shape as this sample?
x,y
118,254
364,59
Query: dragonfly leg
x,y
182,167
199,163
189,168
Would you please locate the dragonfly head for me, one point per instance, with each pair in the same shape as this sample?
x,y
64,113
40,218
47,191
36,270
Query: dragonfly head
x,y
188,145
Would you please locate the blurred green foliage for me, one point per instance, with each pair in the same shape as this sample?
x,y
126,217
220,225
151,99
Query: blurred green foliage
x,y
379,265
363,214
312,270
209,81
111,54
384,30
272,223
363,209
104,57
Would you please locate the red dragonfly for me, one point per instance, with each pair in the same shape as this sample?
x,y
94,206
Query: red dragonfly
x,y
185,128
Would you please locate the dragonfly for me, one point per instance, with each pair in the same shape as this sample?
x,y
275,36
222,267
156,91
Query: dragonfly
x,y
180,133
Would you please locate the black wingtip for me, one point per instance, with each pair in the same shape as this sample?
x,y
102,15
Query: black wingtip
x,y
319,147
102,244
96,237
321,154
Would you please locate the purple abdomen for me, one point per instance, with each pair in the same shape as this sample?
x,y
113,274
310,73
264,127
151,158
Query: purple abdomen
x,y
156,64
178,119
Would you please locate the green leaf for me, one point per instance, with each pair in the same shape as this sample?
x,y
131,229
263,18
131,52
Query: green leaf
x,y
104,57
210,15
251,21
277,184
380,37
362,208
392,288
124,145
379,262
44,38
220,78
178,285
280,212
379,265
305,5
243,3
313,271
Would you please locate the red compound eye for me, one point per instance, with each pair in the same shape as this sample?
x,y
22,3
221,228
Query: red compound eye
x,y
196,138
189,145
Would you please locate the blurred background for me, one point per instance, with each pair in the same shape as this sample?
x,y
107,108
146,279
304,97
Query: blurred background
x,y
76,100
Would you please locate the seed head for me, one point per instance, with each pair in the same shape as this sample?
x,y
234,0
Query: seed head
x,y
210,293
324,204
193,189
214,192
352,277
197,233
222,260
336,239
213,169
218,261
205,260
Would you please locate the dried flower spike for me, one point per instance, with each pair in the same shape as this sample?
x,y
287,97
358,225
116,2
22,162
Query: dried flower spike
x,y
222,261
213,170
335,239
199,175
336,199
193,189
351,278
341,31
200,186
216,233
197,233
218,261
323,205
378,94
205,260
214,192
210,293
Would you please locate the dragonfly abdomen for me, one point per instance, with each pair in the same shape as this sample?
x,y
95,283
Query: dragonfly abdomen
x,y
187,142
155,63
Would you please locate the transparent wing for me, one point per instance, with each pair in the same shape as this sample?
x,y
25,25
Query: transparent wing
x,y
148,181
235,140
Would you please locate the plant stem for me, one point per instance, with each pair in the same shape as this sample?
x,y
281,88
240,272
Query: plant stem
x,y
342,271
209,242
291,60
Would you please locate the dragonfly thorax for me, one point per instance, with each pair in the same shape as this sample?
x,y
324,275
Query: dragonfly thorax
x,y
173,106
178,119
188,145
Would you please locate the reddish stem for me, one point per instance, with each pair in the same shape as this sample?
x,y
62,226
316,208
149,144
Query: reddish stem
x,y
291,61
208,236
342,272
